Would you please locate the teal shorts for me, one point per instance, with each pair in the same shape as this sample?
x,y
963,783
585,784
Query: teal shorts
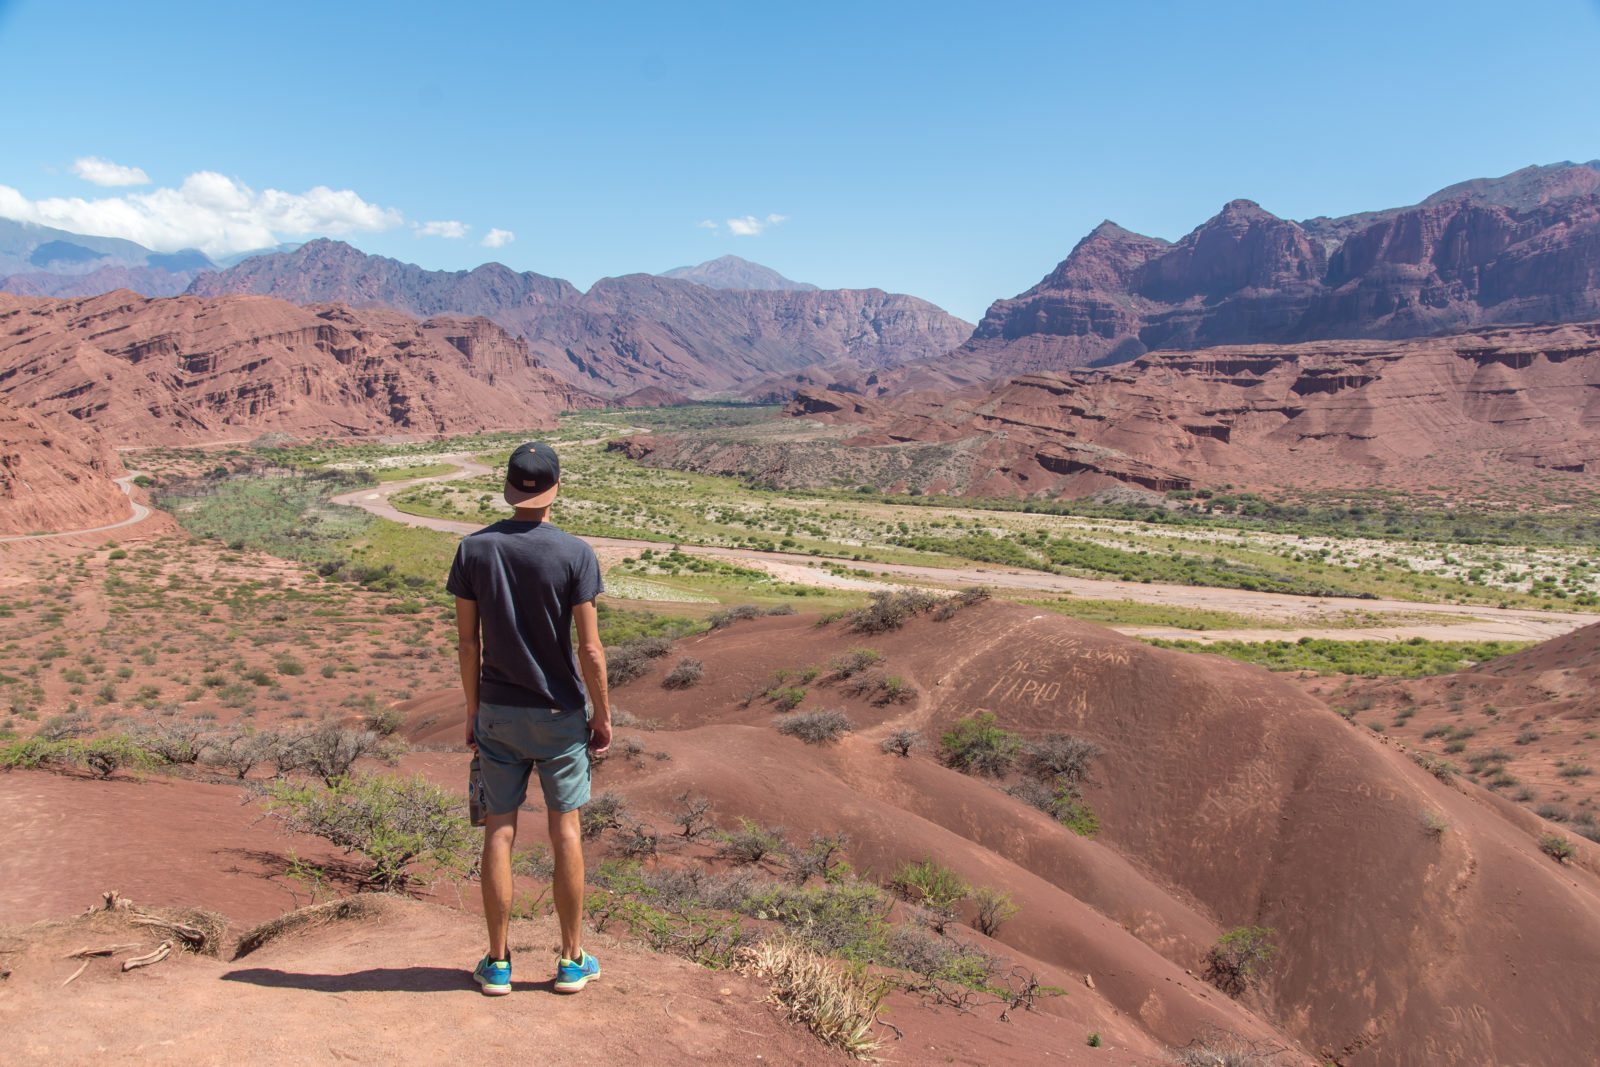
x,y
513,742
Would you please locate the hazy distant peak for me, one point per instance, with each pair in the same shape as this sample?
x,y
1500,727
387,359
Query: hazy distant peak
x,y
731,272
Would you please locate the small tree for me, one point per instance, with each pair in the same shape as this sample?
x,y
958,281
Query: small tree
x,y
604,812
928,883
817,858
902,741
993,909
693,818
976,745
239,750
406,829
180,741
1235,961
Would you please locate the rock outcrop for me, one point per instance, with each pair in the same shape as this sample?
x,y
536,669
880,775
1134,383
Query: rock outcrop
x,y
1514,402
53,479
731,272
1524,248
625,333
186,369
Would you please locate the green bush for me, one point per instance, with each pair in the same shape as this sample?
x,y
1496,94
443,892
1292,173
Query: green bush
x,y
928,883
976,745
408,831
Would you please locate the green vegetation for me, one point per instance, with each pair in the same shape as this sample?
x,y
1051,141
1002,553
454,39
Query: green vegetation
x,y
1236,959
977,745
408,831
1369,659
929,883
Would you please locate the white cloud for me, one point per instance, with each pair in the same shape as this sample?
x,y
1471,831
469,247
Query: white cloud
x,y
496,237
210,211
706,224
448,228
104,172
750,226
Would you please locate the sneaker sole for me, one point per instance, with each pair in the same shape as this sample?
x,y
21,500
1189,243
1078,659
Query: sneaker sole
x,y
575,987
490,989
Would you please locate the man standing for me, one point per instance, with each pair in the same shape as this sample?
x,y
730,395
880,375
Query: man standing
x,y
521,585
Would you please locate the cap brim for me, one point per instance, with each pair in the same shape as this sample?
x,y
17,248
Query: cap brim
x,y
519,498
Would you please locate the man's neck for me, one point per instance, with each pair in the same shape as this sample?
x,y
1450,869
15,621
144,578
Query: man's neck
x,y
531,514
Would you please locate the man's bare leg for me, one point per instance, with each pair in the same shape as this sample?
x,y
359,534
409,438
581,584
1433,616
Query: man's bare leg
x,y
566,843
499,835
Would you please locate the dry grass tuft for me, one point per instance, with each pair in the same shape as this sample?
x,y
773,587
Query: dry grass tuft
x,y
351,909
837,1003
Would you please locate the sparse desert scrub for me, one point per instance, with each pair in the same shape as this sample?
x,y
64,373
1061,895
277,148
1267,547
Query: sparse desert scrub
x,y
1556,847
693,816
684,674
820,859
901,741
1223,1048
1237,958
407,830
977,745
604,812
836,1002
889,610
752,843
816,727
1061,758
854,662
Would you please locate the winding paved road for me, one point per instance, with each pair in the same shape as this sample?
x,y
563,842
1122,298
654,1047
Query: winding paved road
x,y
1307,616
125,483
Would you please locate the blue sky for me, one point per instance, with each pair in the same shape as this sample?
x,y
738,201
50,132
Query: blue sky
x,y
953,151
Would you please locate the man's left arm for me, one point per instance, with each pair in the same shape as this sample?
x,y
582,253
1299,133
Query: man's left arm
x,y
470,651
592,663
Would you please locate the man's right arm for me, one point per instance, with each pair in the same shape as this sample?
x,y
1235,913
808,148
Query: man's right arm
x,y
470,651
592,663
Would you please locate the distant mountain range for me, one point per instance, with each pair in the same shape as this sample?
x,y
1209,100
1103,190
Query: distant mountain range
x,y
629,333
43,261
1523,248
731,272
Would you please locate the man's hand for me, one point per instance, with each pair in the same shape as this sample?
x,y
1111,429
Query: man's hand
x,y
599,735
472,732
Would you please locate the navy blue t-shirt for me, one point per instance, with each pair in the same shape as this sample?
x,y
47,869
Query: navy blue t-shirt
x,y
526,578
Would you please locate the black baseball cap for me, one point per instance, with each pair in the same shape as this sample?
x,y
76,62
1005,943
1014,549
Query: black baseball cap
x,y
532,475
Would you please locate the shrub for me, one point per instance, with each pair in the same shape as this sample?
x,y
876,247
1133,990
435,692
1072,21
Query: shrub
x,y
816,727
180,741
975,745
685,673
928,883
889,609
239,750
64,727
604,812
1556,847
406,829
751,843
329,751
854,662
787,698
1235,960
902,741
1059,757
728,616
1434,824
893,689
386,722
818,858
693,818
1223,1048
994,908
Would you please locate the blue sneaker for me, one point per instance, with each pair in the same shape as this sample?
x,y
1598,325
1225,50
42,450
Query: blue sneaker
x,y
494,976
571,977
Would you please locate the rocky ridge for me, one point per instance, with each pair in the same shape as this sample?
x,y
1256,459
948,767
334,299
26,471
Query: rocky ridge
x,y
1513,401
190,370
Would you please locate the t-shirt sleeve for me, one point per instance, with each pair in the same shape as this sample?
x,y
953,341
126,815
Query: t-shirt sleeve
x,y
586,583
459,582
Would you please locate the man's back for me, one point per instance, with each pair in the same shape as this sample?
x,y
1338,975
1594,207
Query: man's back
x,y
526,577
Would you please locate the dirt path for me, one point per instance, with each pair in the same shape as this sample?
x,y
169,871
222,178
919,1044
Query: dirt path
x,y
1300,616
